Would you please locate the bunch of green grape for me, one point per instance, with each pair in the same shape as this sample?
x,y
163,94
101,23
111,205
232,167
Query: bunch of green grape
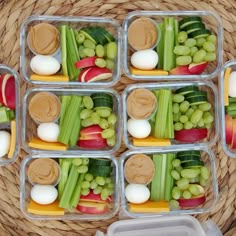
x,y
98,184
186,116
192,50
102,116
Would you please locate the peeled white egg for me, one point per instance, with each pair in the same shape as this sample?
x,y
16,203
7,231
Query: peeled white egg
x,y
232,84
137,193
139,128
144,59
5,141
43,194
44,65
48,132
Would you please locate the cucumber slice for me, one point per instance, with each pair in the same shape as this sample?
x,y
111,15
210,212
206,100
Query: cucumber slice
x,y
190,164
98,34
189,21
107,34
197,100
202,33
196,94
187,89
188,153
184,159
194,27
89,35
102,103
103,171
102,95
99,162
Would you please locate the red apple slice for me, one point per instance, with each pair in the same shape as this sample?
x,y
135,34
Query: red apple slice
x,y
93,129
97,73
190,135
228,129
92,208
86,62
91,197
82,74
233,141
180,70
92,143
192,202
1,80
197,68
8,91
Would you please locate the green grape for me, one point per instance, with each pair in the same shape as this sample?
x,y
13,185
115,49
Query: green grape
x,y
182,37
212,38
196,116
193,50
83,169
176,193
189,112
85,184
210,56
85,191
190,173
178,98
81,51
176,117
104,194
89,52
199,56
178,126
188,125
183,60
100,62
88,102
112,119
110,185
194,125
175,174
200,42
176,163
209,119
193,189
80,37
88,177
174,204
97,190
108,133
201,123
208,125
100,180
103,112
93,184
204,172
77,161
183,118
194,107
110,191
85,113
179,169
181,50
203,182
110,64
85,161
187,194
183,183
108,180
206,114
184,106
205,106
175,108
87,122
209,47
194,180
103,123
190,42
100,50
111,141
95,118
89,44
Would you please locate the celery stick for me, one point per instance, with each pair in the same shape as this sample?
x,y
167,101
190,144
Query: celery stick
x,y
160,47
169,44
65,165
76,50
65,101
163,176
176,28
169,132
69,188
76,195
64,50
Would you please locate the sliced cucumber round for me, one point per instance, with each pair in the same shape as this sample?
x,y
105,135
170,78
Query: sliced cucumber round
x,y
190,164
101,95
195,94
188,153
99,162
184,159
189,21
187,89
107,34
197,100
89,35
194,27
202,33
103,171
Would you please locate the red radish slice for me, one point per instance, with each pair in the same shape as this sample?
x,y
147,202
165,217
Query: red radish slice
x,y
86,62
190,135
97,73
228,129
82,74
8,91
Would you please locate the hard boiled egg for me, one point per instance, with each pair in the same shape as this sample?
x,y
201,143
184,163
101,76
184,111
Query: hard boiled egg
x,y
232,84
44,65
5,141
139,128
144,59
44,194
48,132
137,193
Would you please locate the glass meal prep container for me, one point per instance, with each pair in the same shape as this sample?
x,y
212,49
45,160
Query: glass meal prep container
x,y
171,143
227,116
210,188
9,114
69,214
29,126
76,23
212,22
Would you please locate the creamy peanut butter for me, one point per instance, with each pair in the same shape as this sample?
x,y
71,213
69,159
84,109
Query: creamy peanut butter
x,y
44,38
142,34
44,107
139,169
43,171
141,103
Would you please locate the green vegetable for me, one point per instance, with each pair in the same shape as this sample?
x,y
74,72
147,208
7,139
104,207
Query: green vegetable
x,y
64,50
160,47
77,191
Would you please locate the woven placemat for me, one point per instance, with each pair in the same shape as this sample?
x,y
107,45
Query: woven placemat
x,y
12,13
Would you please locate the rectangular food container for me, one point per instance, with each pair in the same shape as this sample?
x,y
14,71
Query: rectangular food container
x,y
212,98
29,126
213,22
211,190
73,215
229,151
77,23
6,126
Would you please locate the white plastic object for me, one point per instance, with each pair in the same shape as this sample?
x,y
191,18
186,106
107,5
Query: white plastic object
x,y
211,229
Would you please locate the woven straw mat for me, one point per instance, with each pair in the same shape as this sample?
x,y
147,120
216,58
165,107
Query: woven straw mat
x,y
12,13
